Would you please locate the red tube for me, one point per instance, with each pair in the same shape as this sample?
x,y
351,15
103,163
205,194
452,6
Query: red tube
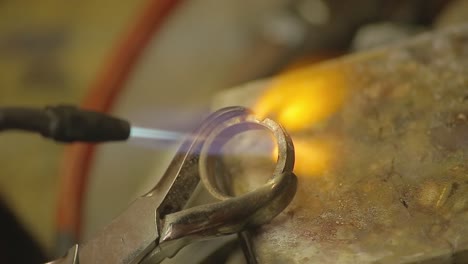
x,y
77,159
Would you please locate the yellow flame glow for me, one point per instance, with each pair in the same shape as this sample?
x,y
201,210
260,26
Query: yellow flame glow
x,y
299,100
313,157
303,97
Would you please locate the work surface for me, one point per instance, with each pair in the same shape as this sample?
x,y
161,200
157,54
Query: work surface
x,y
381,155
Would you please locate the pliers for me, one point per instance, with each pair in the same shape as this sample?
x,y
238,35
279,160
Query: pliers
x,y
158,224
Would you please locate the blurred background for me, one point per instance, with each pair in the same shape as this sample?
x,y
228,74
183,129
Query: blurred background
x,y
157,63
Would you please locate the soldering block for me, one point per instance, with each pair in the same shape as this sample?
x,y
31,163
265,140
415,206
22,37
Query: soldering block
x,y
383,170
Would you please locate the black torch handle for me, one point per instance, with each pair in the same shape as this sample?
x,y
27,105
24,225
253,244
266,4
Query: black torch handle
x,y
65,123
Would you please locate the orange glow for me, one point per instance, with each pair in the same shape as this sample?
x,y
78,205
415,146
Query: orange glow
x,y
313,157
275,153
300,100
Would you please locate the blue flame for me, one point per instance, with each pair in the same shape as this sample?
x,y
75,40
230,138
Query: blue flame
x,y
158,134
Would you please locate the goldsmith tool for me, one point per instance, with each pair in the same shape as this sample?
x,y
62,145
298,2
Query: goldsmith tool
x,y
158,224
67,123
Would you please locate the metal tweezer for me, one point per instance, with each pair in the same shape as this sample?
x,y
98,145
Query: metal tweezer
x,y
158,224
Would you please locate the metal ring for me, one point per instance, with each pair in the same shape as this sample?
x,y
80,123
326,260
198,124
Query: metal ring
x,y
212,180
